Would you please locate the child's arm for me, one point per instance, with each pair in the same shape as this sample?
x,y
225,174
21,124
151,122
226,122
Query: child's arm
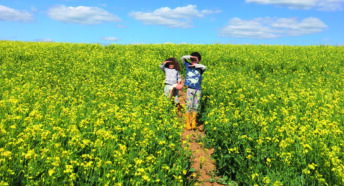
x,y
202,67
184,59
179,78
162,66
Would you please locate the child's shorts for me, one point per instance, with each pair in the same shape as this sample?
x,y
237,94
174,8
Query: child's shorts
x,y
175,92
193,98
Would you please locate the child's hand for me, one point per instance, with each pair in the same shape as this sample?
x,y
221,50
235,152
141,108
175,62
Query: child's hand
x,y
168,62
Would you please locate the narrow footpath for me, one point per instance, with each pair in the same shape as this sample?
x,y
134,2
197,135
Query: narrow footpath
x,y
201,160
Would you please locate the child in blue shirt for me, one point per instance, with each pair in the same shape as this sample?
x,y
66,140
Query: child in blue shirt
x,y
193,80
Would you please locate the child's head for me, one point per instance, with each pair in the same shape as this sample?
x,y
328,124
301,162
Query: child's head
x,y
196,54
174,65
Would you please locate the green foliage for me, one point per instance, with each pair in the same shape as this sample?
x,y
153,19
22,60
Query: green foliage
x,y
275,114
86,115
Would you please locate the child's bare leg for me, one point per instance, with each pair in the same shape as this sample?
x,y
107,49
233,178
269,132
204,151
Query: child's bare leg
x,y
167,91
189,98
195,105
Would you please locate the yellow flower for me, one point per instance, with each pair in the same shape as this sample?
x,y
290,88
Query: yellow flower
x,y
277,183
6,153
306,171
68,169
2,183
266,179
108,163
312,166
30,154
253,176
51,171
146,178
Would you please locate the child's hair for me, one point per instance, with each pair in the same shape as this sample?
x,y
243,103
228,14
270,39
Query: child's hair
x,y
196,54
175,63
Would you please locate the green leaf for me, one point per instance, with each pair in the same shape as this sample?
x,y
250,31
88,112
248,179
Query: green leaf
x,y
192,170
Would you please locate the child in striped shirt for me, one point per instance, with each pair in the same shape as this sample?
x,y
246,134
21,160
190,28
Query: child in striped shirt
x,y
173,79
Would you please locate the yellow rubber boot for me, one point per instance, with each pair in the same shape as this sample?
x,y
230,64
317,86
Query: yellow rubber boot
x,y
193,120
188,123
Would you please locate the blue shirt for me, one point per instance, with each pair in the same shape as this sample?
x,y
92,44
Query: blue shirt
x,y
193,77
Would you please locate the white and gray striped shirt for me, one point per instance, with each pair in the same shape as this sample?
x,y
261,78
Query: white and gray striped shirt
x,y
172,75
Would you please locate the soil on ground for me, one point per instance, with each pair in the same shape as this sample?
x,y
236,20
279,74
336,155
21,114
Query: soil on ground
x,y
201,161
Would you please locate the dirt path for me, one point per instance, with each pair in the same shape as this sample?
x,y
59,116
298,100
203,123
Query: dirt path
x,y
201,157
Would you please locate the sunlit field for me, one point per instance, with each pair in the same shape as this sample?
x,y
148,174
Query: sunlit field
x,y
87,114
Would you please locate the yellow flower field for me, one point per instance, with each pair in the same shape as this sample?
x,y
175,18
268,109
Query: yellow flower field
x,y
275,114
87,114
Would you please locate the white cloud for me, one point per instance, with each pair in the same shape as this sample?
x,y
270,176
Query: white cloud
x,y
269,28
180,17
326,5
9,14
45,40
81,15
331,5
110,39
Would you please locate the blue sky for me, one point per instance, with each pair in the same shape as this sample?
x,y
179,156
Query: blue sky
x,y
282,22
